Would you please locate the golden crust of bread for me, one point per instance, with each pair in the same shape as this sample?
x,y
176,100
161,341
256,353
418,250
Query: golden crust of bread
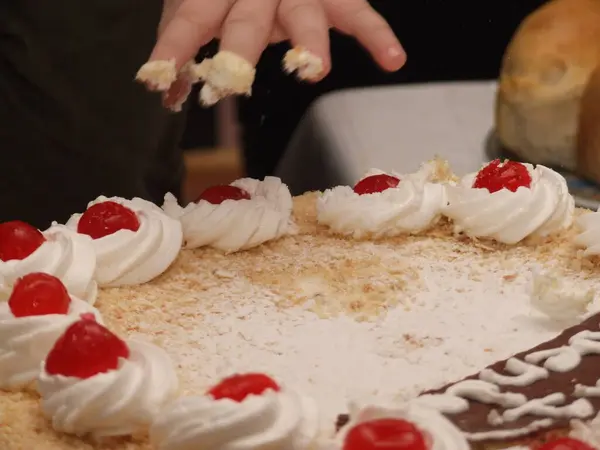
x,y
588,133
349,271
553,52
544,71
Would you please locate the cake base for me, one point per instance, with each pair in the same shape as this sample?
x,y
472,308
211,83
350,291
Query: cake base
x,y
336,318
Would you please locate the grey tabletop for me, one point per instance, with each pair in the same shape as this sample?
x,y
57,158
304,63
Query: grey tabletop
x,y
346,133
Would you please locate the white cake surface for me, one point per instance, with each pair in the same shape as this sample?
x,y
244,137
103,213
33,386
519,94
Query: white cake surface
x,y
336,318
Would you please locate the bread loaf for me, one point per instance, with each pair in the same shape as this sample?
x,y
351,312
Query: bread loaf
x,y
588,135
544,72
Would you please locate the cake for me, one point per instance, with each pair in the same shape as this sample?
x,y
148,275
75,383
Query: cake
x,y
397,304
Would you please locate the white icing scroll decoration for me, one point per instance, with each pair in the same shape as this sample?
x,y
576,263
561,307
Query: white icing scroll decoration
x,y
582,390
522,374
455,399
586,342
547,406
560,359
566,358
444,403
534,426
486,390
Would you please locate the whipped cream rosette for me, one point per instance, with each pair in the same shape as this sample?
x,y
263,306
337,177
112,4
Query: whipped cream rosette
x,y
380,427
93,383
509,201
243,412
586,431
239,216
589,237
57,251
384,205
37,313
134,240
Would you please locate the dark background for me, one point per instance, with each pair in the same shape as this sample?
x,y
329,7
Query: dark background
x,y
67,108
444,40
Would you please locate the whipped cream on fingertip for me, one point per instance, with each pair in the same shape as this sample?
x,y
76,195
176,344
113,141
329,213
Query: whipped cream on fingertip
x,y
537,204
25,341
409,204
119,402
281,419
263,213
128,257
64,254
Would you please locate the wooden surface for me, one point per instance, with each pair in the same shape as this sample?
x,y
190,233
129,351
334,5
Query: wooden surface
x,y
210,167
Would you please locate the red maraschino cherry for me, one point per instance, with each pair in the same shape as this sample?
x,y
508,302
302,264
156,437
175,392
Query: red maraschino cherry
x,y
18,240
84,350
39,294
238,387
566,443
499,175
218,194
105,218
388,434
376,183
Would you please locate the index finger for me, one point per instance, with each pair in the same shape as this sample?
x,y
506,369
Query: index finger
x,y
247,29
307,26
195,23
360,20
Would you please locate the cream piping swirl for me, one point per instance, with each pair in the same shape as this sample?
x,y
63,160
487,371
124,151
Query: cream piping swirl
x,y
236,225
116,403
282,419
136,257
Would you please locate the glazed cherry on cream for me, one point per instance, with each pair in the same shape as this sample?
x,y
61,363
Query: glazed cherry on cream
x,y
499,175
18,240
86,349
218,194
106,218
389,434
566,443
38,294
376,183
238,387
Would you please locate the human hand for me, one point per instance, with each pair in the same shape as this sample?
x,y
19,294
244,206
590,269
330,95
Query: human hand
x,y
246,27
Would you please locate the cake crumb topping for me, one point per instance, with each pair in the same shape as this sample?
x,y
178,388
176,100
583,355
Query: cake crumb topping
x,y
340,319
